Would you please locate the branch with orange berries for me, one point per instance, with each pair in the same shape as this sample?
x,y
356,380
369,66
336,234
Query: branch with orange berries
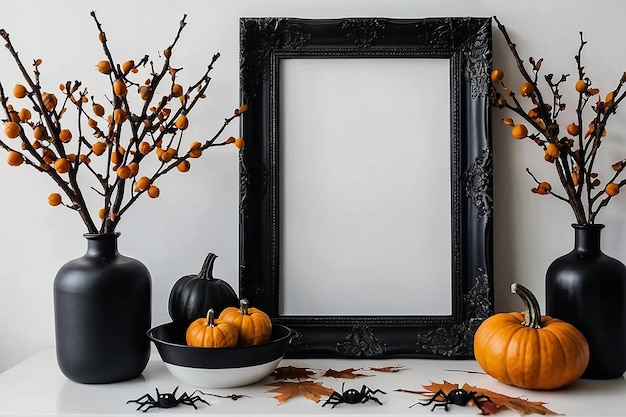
x,y
573,153
38,135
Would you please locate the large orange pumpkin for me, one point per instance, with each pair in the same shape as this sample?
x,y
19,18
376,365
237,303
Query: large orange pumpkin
x,y
252,324
208,332
529,350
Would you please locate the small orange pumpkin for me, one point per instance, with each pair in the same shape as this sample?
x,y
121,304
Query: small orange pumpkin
x,y
529,350
252,324
208,332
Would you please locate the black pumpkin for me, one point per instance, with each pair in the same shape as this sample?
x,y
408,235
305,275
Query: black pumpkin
x,y
193,295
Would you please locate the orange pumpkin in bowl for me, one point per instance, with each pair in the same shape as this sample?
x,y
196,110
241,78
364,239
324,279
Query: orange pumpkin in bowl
x,y
253,325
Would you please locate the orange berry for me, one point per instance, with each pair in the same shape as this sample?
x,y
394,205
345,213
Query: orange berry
x,y
519,131
164,155
14,159
552,150
48,155
98,109
526,89
545,186
123,172
101,213
572,129
25,115
19,91
145,148
145,92
120,116
119,88
92,123
71,157
182,122
62,165
153,191
612,189
143,183
195,150
49,101
98,148
128,65
65,135
54,199
177,90
134,168
39,132
183,166
12,130
116,158
240,143
104,67
581,86
497,75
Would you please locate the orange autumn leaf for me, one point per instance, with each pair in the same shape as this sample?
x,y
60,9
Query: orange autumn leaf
x,y
308,389
518,404
349,373
445,386
498,401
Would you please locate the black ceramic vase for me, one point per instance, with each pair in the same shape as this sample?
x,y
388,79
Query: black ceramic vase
x,y
102,313
587,289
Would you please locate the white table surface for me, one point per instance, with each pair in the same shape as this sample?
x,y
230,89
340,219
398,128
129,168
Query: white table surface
x,y
36,387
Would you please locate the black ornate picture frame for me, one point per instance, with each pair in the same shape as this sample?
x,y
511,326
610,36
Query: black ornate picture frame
x,y
466,44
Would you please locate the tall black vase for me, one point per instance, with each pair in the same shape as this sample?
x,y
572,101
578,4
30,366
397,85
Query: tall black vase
x,y
102,312
587,289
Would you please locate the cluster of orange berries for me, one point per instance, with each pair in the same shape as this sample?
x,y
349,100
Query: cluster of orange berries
x,y
552,150
62,165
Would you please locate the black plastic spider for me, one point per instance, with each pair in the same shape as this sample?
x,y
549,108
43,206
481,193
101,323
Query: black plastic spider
x,y
166,400
457,397
353,396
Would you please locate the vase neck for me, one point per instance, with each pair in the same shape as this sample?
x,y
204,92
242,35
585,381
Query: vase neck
x,y
102,245
587,239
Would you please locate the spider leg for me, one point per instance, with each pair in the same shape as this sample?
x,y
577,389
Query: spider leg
x,y
197,398
440,404
367,390
478,399
144,400
370,397
433,399
187,400
334,399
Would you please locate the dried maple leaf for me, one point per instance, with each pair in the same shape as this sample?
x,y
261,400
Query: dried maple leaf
x,y
389,369
522,406
445,386
349,373
292,372
498,401
309,389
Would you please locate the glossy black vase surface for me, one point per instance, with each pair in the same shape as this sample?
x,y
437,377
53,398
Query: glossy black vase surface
x,y
102,313
587,288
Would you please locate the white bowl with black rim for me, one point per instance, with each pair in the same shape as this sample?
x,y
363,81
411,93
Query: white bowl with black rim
x,y
226,367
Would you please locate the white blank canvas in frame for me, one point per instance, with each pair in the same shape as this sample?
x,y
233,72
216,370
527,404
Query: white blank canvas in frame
x,y
364,159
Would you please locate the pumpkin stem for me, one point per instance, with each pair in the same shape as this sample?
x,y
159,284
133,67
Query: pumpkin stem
x,y
532,314
210,318
243,306
207,267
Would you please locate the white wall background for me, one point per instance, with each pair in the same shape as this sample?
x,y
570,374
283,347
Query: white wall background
x,y
199,213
